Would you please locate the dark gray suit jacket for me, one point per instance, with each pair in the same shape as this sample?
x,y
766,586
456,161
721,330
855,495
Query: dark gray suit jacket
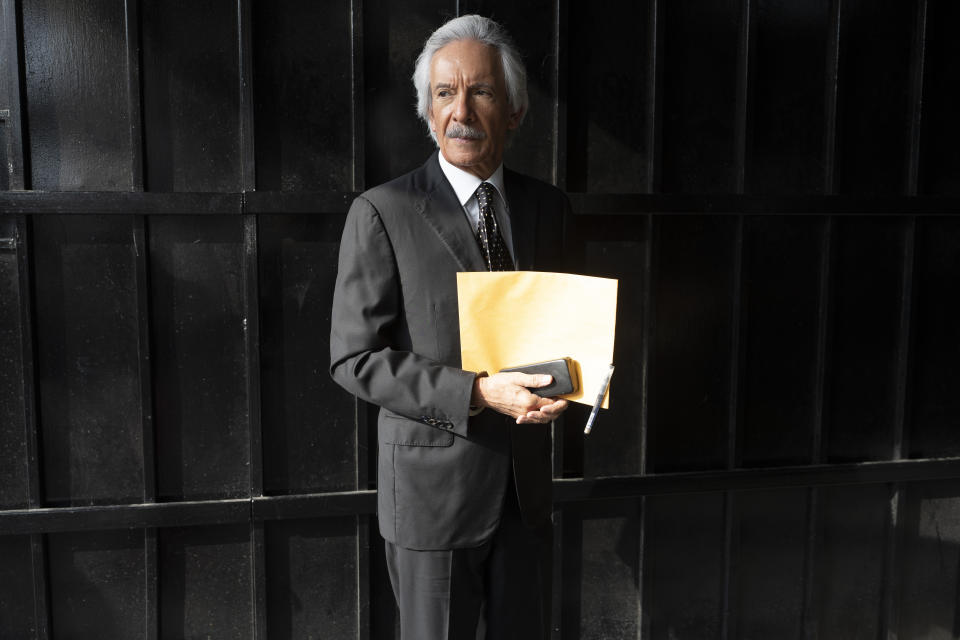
x,y
395,342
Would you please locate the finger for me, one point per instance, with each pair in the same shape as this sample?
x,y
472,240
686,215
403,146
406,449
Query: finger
x,y
555,408
528,379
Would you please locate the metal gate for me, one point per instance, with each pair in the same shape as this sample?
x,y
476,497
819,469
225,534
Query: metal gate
x,y
774,184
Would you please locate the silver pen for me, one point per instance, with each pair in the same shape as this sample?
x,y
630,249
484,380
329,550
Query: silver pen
x,y
599,401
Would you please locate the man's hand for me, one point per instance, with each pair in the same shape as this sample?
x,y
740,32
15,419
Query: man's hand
x,y
508,394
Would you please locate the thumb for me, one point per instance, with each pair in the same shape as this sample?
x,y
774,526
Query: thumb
x,y
540,380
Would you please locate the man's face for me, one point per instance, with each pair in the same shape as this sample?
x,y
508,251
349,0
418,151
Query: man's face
x,y
469,109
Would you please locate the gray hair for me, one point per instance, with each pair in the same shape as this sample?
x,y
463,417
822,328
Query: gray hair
x,y
490,33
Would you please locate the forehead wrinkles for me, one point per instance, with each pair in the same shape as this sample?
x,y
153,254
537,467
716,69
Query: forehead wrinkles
x,y
466,62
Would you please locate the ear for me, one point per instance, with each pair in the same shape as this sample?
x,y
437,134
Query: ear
x,y
433,126
513,120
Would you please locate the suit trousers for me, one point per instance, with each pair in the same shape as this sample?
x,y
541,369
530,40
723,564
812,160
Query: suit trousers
x,y
500,590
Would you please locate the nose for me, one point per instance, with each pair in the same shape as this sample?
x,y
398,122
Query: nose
x,y
462,111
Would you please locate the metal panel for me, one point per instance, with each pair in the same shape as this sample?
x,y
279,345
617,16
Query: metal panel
x,y
312,585
699,100
928,575
17,614
13,429
874,88
689,386
196,267
309,421
936,333
781,313
865,341
940,162
96,584
683,568
302,109
77,94
88,337
191,95
612,107
849,562
787,102
205,588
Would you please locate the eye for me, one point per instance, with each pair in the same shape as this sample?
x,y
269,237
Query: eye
x,y
443,93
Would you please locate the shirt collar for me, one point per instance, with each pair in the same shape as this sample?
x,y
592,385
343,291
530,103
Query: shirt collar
x,y
465,184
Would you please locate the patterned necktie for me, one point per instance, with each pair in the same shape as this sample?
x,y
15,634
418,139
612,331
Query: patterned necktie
x,y
494,249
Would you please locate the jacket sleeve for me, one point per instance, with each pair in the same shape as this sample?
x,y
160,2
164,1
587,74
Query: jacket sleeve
x,y
367,309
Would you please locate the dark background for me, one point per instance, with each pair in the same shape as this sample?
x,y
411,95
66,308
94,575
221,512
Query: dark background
x,y
775,183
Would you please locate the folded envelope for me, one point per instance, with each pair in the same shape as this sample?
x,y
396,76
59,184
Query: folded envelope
x,y
513,318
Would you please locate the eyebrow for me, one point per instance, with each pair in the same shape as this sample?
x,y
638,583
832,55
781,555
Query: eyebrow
x,y
475,85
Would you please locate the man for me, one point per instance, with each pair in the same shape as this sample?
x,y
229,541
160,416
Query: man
x,y
464,457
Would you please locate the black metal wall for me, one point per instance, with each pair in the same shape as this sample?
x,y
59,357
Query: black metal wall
x,y
776,185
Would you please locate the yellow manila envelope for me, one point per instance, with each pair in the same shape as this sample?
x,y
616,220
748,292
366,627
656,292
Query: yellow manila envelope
x,y
514,318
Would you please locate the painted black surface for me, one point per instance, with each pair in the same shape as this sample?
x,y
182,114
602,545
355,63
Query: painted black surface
x,y
170,344
781,281
13,470
309,423
303,90
198,329
87,337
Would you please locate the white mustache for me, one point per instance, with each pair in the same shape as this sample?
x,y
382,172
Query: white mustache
x,y
456,130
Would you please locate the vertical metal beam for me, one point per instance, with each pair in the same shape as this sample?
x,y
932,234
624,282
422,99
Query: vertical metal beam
x,y
561,72
12,91
245,58
647,327
823,342
560,144
18,170
38,558
151,575
148,441
654,97
808,609
358,168
890,596
743,94
252,360
730,526
831,91
251,311
134,92
918,47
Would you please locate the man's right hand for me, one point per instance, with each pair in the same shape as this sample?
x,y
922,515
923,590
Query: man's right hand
x,y
507,393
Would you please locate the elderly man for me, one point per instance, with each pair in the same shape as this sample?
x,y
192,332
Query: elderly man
x,y
464,457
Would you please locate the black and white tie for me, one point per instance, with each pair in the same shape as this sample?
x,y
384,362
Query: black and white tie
x,y
494,249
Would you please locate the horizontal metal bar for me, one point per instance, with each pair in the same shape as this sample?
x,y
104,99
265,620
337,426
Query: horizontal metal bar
x,y
125,516
586,490
298,201
565,491
630,203
8,244
346,503
585,204
118,202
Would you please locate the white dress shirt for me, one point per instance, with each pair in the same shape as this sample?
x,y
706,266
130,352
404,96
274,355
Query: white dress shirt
x,y
465,186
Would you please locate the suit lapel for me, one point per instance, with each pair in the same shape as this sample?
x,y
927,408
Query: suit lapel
x,y
443,213
523,218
